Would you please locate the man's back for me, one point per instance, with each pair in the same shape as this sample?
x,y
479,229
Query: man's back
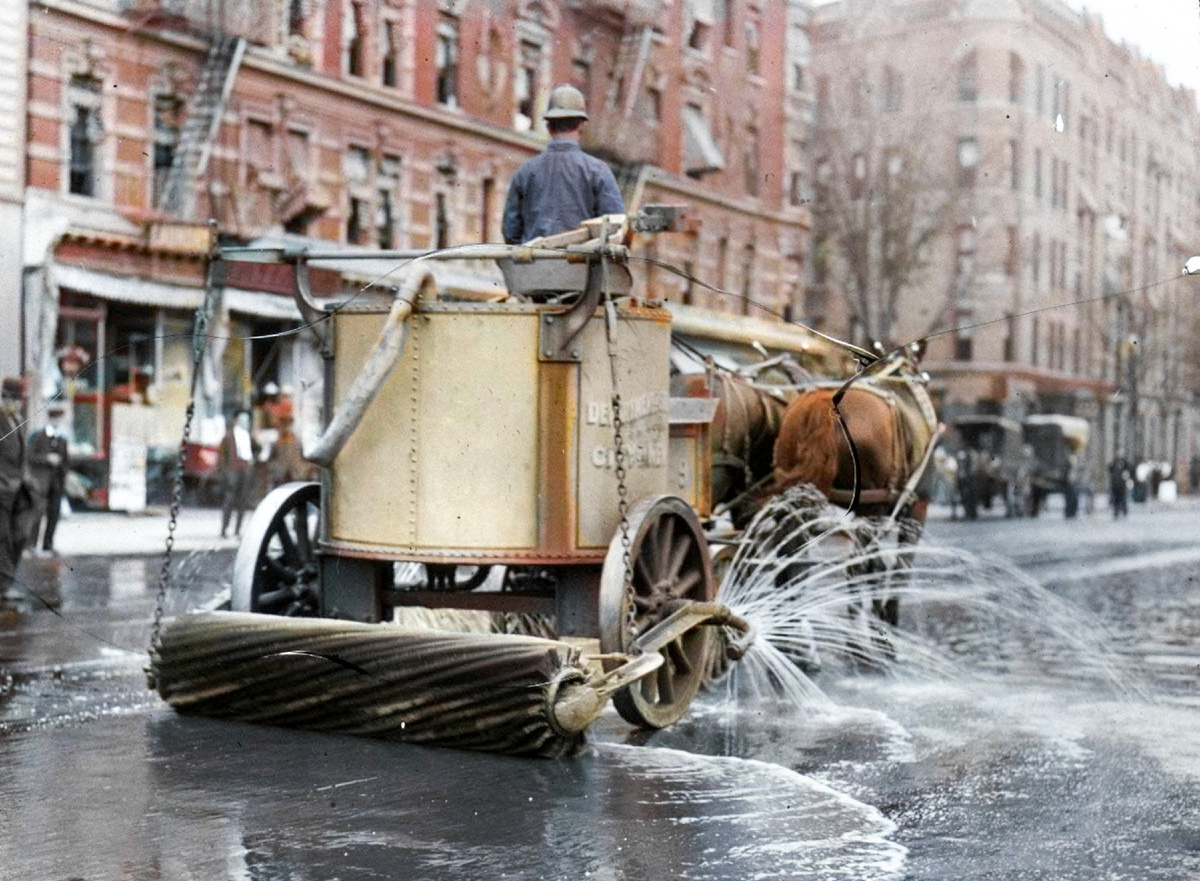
x,y
558,190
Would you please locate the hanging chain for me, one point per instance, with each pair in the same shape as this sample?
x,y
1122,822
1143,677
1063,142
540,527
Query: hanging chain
x,y
610,314
199,344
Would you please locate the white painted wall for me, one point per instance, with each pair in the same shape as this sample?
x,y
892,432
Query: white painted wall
x,y
13,17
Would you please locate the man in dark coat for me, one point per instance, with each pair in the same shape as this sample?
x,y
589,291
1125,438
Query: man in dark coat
x,y
15,500
235,461
564,186
48,461
1118,487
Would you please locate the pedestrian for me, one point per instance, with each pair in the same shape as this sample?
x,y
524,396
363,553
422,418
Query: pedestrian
x,y
1118,486
286,461
235,464
16,498
562,187
49,460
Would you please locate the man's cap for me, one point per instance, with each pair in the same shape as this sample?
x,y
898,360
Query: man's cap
x,y
566,102
12,389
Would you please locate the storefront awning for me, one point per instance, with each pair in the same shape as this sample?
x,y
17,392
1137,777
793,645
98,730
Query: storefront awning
x,y
140,292
701,153
126,289
261,305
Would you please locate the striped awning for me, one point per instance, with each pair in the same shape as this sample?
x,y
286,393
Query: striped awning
x,y
142,292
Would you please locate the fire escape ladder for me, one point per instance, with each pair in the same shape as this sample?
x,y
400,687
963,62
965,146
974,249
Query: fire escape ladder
x,y
206,108
628,69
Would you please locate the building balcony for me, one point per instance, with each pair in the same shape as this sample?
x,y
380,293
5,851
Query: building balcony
x,y
622,141
237,18
634,12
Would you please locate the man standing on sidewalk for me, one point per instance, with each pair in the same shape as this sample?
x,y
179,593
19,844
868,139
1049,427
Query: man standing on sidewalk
x,y
48,452
235,459
16,503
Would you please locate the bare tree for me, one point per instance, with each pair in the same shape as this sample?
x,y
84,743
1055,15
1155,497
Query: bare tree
x,y
882,201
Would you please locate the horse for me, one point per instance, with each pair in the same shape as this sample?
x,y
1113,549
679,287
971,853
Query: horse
x,y
742,433
892,425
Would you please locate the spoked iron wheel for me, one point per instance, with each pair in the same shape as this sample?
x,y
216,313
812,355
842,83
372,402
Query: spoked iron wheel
x,y
275,571
670,563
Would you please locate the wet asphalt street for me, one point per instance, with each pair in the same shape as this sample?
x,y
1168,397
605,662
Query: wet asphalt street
x,y
1057,755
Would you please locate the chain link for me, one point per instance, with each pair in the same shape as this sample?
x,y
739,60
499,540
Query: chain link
x,y
199,336
619,453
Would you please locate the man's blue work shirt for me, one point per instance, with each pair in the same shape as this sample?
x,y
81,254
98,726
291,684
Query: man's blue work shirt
x,y
558,190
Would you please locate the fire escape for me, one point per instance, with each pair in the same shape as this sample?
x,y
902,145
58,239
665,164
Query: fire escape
x,y
205,109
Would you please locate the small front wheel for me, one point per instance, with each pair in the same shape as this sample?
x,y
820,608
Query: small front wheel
x,y
275,571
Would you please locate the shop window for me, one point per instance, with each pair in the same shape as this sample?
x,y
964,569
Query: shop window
x,y
86,133
446,61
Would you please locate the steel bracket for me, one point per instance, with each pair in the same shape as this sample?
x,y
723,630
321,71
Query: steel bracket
x,y
558,332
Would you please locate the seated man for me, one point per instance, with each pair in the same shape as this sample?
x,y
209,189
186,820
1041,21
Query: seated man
x,y
562,187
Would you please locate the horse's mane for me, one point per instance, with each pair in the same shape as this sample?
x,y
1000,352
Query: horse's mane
x,y
807,448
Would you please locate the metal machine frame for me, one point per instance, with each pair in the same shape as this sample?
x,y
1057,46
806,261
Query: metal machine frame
x,y
525,433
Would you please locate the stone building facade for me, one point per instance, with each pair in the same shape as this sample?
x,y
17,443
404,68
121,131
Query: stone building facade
x,y
1059,168
375,124
13,19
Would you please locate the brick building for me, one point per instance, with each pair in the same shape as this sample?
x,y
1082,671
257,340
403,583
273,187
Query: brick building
x,y
1056,166
377,124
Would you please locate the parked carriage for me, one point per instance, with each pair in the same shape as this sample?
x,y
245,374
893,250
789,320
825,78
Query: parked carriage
x,y
994,463
1057,442
537,433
